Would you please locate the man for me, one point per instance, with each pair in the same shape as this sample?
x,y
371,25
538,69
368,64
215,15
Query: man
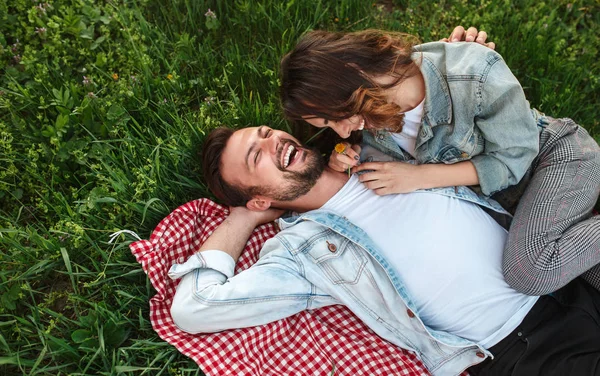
x,y
423,270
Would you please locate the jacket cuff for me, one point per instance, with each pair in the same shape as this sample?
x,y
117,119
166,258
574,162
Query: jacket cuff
x,y
210,259
492,174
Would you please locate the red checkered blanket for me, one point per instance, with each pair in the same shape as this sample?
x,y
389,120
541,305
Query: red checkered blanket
x,y
325,341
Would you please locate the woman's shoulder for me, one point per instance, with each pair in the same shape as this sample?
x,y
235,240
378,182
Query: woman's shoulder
x,y
456,58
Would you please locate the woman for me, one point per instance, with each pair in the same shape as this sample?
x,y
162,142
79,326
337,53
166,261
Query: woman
x,y
459,114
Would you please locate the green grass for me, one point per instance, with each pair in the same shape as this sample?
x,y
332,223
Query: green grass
x,y
83,157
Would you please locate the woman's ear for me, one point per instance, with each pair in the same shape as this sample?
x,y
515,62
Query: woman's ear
x,y
258,204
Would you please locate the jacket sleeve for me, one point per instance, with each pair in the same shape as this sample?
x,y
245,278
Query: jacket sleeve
x,y
210,298
508,127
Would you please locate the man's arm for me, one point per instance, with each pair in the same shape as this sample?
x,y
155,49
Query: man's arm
x,y
210,298
233,234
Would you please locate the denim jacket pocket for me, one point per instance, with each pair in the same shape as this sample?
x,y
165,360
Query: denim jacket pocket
x,y
450,153
342,261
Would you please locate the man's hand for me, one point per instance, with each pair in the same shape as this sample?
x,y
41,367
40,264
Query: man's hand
x,y
470,35
254,218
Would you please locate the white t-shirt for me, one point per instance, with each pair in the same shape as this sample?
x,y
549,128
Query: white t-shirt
x,y
412,123
448,254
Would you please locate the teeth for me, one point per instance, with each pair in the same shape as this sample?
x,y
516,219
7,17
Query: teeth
x,y
286,159
362,125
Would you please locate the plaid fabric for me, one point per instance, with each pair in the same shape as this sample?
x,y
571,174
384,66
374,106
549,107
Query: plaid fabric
x,y
553,237
313,342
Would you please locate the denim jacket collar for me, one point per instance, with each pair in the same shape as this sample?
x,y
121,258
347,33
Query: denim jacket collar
x,y
438,104
342,226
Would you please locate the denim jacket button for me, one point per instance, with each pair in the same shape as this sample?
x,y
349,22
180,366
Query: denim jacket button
x,y
464,155
410,313
331,247
480,354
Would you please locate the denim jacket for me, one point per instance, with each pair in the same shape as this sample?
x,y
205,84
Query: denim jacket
x,y
474,109
317,259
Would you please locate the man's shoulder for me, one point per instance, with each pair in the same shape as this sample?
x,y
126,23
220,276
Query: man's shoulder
x,y
302,227
296,233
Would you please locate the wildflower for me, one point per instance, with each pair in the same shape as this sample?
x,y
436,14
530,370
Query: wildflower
x,y
115,76
91,95
569,7
169,76
211,22
17,58
209,100
210,14
336,20
86,80
134,79
164,100
43,7
40,30
340,148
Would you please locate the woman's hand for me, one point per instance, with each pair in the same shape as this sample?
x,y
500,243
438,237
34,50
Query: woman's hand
x,y
341,162
391,177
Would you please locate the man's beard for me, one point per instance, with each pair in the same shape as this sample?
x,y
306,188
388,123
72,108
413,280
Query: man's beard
x,y
298,183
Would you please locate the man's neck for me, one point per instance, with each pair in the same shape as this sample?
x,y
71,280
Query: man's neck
x,y
326,187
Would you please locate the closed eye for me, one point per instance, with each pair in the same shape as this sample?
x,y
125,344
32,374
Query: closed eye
x,y
266,132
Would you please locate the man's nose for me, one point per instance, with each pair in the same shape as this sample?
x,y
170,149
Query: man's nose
x,y
271,143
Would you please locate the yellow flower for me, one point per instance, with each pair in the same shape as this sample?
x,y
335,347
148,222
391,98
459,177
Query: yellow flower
x,y
340,148
169,76
336,20
115,76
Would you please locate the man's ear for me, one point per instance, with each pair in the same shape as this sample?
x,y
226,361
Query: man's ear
x,y
258,204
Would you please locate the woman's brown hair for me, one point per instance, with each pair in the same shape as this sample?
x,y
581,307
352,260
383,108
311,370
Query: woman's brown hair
x,y
329,75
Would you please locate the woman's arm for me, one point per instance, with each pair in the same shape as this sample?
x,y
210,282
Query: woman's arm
x,y
504,120
399,177
507,125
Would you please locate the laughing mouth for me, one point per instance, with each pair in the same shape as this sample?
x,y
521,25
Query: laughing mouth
x,y
361,126
289,152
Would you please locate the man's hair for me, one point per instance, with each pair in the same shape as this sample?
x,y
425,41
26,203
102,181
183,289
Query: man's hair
x,y
212,153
